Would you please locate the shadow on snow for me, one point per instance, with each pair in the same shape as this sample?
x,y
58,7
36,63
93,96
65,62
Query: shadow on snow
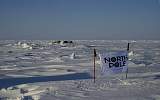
x,y
7,82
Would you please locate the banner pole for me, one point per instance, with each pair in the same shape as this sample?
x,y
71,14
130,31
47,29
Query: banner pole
x,y
127,67
94,65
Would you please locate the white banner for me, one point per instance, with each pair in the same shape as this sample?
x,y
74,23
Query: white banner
x,y
114,62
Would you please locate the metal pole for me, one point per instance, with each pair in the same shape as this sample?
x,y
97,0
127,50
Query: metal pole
x,y
127,67
94,65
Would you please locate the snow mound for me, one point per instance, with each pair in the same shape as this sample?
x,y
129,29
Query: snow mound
x,y
56,59
72,56
10,94
132,64
156,97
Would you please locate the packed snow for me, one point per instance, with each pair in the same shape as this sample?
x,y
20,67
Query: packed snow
x,y
63,70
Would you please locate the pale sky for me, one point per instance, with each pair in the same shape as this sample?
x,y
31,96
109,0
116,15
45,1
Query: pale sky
x,y
80,19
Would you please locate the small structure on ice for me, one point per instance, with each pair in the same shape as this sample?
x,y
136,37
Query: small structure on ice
x,y
61,42
64,43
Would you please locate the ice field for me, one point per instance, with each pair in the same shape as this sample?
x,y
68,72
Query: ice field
x,y
60,70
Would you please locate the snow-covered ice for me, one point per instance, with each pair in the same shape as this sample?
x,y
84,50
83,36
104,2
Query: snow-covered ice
x,y
53,70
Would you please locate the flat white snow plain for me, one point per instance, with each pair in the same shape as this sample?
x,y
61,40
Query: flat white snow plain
x,y
52,71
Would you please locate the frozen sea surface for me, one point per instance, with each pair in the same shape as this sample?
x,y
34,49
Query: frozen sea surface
x,y
46,70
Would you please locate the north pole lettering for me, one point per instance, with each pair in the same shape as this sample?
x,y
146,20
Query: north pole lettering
x,y
118,61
